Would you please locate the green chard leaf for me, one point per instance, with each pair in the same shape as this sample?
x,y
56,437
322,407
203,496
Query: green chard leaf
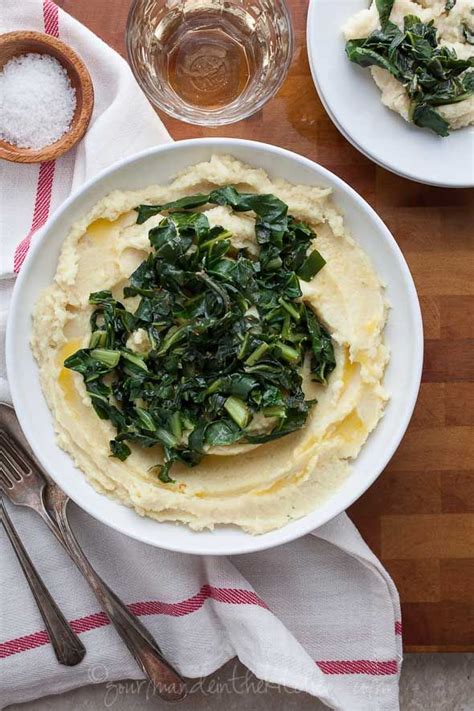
x,y
384,8
120,450
311,266
427,117
323,357
147,211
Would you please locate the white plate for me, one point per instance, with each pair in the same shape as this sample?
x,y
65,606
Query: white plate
x,y
404,336
352,100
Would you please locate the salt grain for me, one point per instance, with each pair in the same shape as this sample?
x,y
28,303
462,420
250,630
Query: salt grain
x,y
37,101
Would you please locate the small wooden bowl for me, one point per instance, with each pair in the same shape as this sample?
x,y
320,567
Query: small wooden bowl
x,y
13,44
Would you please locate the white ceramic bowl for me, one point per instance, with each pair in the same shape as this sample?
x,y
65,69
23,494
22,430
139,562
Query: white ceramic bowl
x,y
403,334
352,100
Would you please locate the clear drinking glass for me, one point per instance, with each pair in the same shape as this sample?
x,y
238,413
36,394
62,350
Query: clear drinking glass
x,y
209,62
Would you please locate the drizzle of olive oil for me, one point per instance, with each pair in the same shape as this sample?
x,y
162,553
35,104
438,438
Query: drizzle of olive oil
x,y
100,229
66,376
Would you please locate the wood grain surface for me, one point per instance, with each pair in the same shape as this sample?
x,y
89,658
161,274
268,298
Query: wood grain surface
x,y
419,516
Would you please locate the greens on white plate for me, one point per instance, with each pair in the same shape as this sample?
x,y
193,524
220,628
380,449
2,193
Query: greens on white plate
x,y
423,78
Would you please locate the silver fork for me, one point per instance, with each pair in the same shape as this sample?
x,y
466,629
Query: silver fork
x,y
25,484
67,646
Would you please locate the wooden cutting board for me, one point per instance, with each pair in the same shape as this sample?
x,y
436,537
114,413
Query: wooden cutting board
x,y
419,516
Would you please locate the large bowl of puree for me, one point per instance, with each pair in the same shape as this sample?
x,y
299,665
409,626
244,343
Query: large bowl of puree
x,y
303,416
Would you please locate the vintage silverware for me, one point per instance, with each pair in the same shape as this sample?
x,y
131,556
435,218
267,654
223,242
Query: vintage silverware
x,y
67,646
25,484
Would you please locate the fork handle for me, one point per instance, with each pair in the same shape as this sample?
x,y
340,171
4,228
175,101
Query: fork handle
x,y
166,680
67,646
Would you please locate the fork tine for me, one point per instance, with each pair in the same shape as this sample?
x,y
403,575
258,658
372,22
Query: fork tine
x,y
5,483
5,473
8,466
20,471
21,481
18,465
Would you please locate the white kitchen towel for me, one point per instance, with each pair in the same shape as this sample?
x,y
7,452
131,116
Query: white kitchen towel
x,y
320,614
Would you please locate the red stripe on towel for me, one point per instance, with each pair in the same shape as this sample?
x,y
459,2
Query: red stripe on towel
x,y
229,596
44,191
359,666
51,18
44,188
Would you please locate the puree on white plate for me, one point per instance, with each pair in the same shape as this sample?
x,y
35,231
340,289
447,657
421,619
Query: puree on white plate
x,y
212,350
421,56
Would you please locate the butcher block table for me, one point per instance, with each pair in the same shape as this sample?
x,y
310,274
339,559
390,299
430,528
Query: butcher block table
x,y
419,515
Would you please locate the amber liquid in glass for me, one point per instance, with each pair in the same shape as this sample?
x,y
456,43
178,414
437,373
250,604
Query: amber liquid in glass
x,y
209,57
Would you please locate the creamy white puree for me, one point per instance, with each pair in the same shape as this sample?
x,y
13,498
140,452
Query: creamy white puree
x,y
257,488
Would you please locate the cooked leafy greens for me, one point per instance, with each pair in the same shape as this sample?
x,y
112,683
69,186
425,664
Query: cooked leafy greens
x,y
384,8
218,340
432,74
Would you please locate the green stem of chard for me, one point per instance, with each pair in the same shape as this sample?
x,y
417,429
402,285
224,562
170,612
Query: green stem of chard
x,y
285,331
257,354
98,339
291,355
238,410
135,359
175,425
274,411
146,419
173,336
214,387
105,356
290,309
273,264
243,347
220,237
166,437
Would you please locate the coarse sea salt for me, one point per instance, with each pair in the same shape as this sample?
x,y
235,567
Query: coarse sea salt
x,y
37,101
